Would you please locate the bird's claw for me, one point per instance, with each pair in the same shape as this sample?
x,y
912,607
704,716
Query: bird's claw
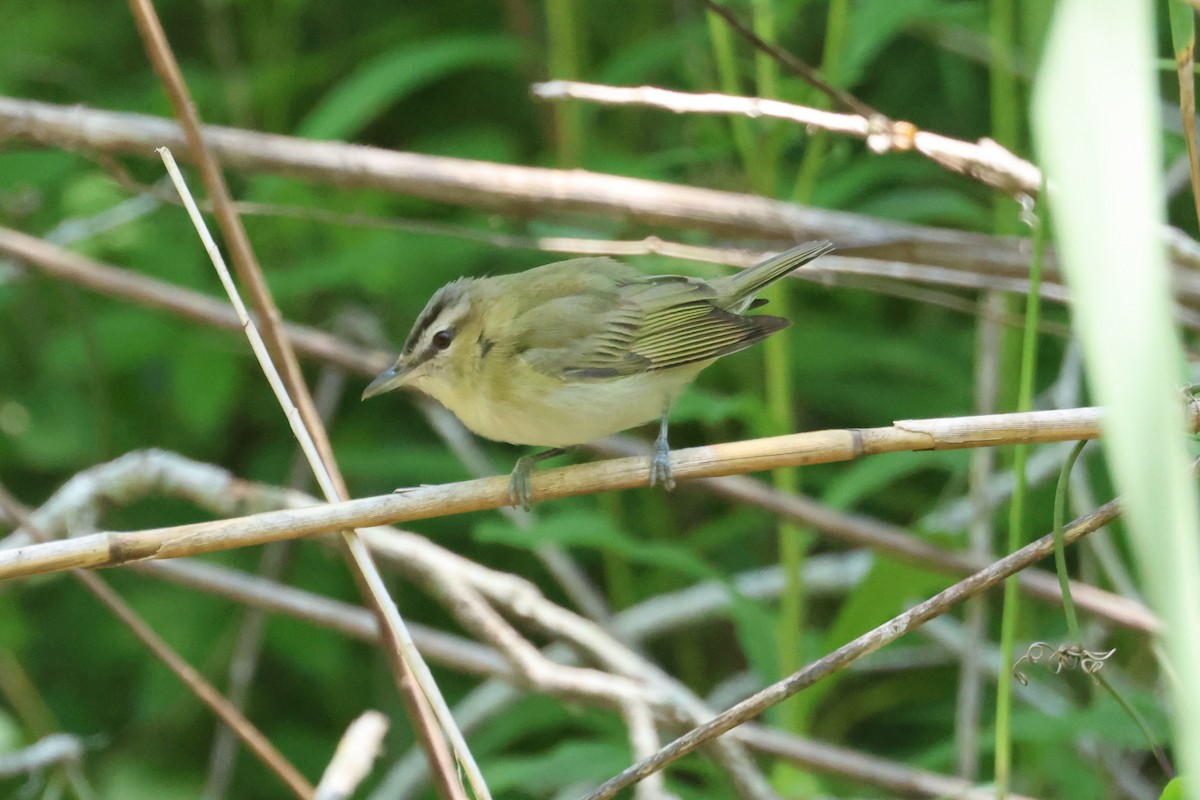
x,y
660,467
519,490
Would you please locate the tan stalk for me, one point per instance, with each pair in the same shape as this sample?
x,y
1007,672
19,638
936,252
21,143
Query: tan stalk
x,y
799,449
361,556
251,736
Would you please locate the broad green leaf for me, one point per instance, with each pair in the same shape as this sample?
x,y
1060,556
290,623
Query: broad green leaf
x,y
390,77
206,376
864,478
1180,788
875,23
888,589
581,529
1108,219
566,764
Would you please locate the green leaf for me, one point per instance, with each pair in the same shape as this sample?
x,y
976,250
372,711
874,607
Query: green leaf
x,y
757,628
589,530
567,764
205,383
1181,788
390,77
1108,219
862,479
1183,26
875,24
889,588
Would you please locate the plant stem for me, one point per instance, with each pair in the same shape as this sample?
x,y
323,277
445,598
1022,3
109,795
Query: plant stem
x,y
562,57
1016,521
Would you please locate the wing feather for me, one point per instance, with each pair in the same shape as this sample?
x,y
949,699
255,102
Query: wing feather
x,y
677,324
617,324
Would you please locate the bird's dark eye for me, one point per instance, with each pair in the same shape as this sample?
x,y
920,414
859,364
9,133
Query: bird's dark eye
x,y
441,340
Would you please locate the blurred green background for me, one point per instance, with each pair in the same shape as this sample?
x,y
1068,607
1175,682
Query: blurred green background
x,y
84,378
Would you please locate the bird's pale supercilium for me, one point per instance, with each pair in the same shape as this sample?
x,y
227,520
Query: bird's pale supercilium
x,y
570,352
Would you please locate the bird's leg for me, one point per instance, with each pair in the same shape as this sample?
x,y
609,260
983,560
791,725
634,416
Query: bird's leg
x,y
660,463
518,483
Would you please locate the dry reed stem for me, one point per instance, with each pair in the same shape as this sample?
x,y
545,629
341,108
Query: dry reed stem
x,y
408,670
137,474
528,191
817,447
253,738
418,689
892,540
522,190
194,306
985,160
884,634
487,185
355,754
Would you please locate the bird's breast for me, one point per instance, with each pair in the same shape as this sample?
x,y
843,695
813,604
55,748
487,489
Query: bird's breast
x,y
533,409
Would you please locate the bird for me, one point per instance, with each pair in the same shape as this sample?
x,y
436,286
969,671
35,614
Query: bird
x,y
567,353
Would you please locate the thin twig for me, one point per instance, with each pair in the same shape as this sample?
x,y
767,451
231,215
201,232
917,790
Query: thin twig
x,y
867,643
352,760
985,160
793,62
871,274
523,191
253,738
418,689
408,671
801,449
880,277
185,303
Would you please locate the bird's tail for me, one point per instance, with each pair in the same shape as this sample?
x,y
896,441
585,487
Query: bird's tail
x,y
750,281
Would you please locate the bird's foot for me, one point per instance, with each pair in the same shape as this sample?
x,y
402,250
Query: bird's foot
x,y
660,466
519,490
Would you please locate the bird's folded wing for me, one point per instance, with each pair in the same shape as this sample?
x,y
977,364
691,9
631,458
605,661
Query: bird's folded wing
x,y
650,325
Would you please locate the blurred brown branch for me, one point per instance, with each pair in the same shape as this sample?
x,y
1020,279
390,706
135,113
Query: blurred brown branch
x,y
815,447
857,529
225,711
985,160
417,689
522,190
619,671
866,245
888,632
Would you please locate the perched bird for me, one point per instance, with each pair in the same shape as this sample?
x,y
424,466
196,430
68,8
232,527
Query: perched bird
x,y
570,352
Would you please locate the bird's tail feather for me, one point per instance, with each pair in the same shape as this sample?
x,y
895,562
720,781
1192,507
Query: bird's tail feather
x,y
752,280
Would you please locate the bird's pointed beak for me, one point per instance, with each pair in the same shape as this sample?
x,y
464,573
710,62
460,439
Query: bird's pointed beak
x,y
393,377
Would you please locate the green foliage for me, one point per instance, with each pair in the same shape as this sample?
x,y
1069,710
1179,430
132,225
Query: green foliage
x,y
85,378
587,530
389,78
1177,789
